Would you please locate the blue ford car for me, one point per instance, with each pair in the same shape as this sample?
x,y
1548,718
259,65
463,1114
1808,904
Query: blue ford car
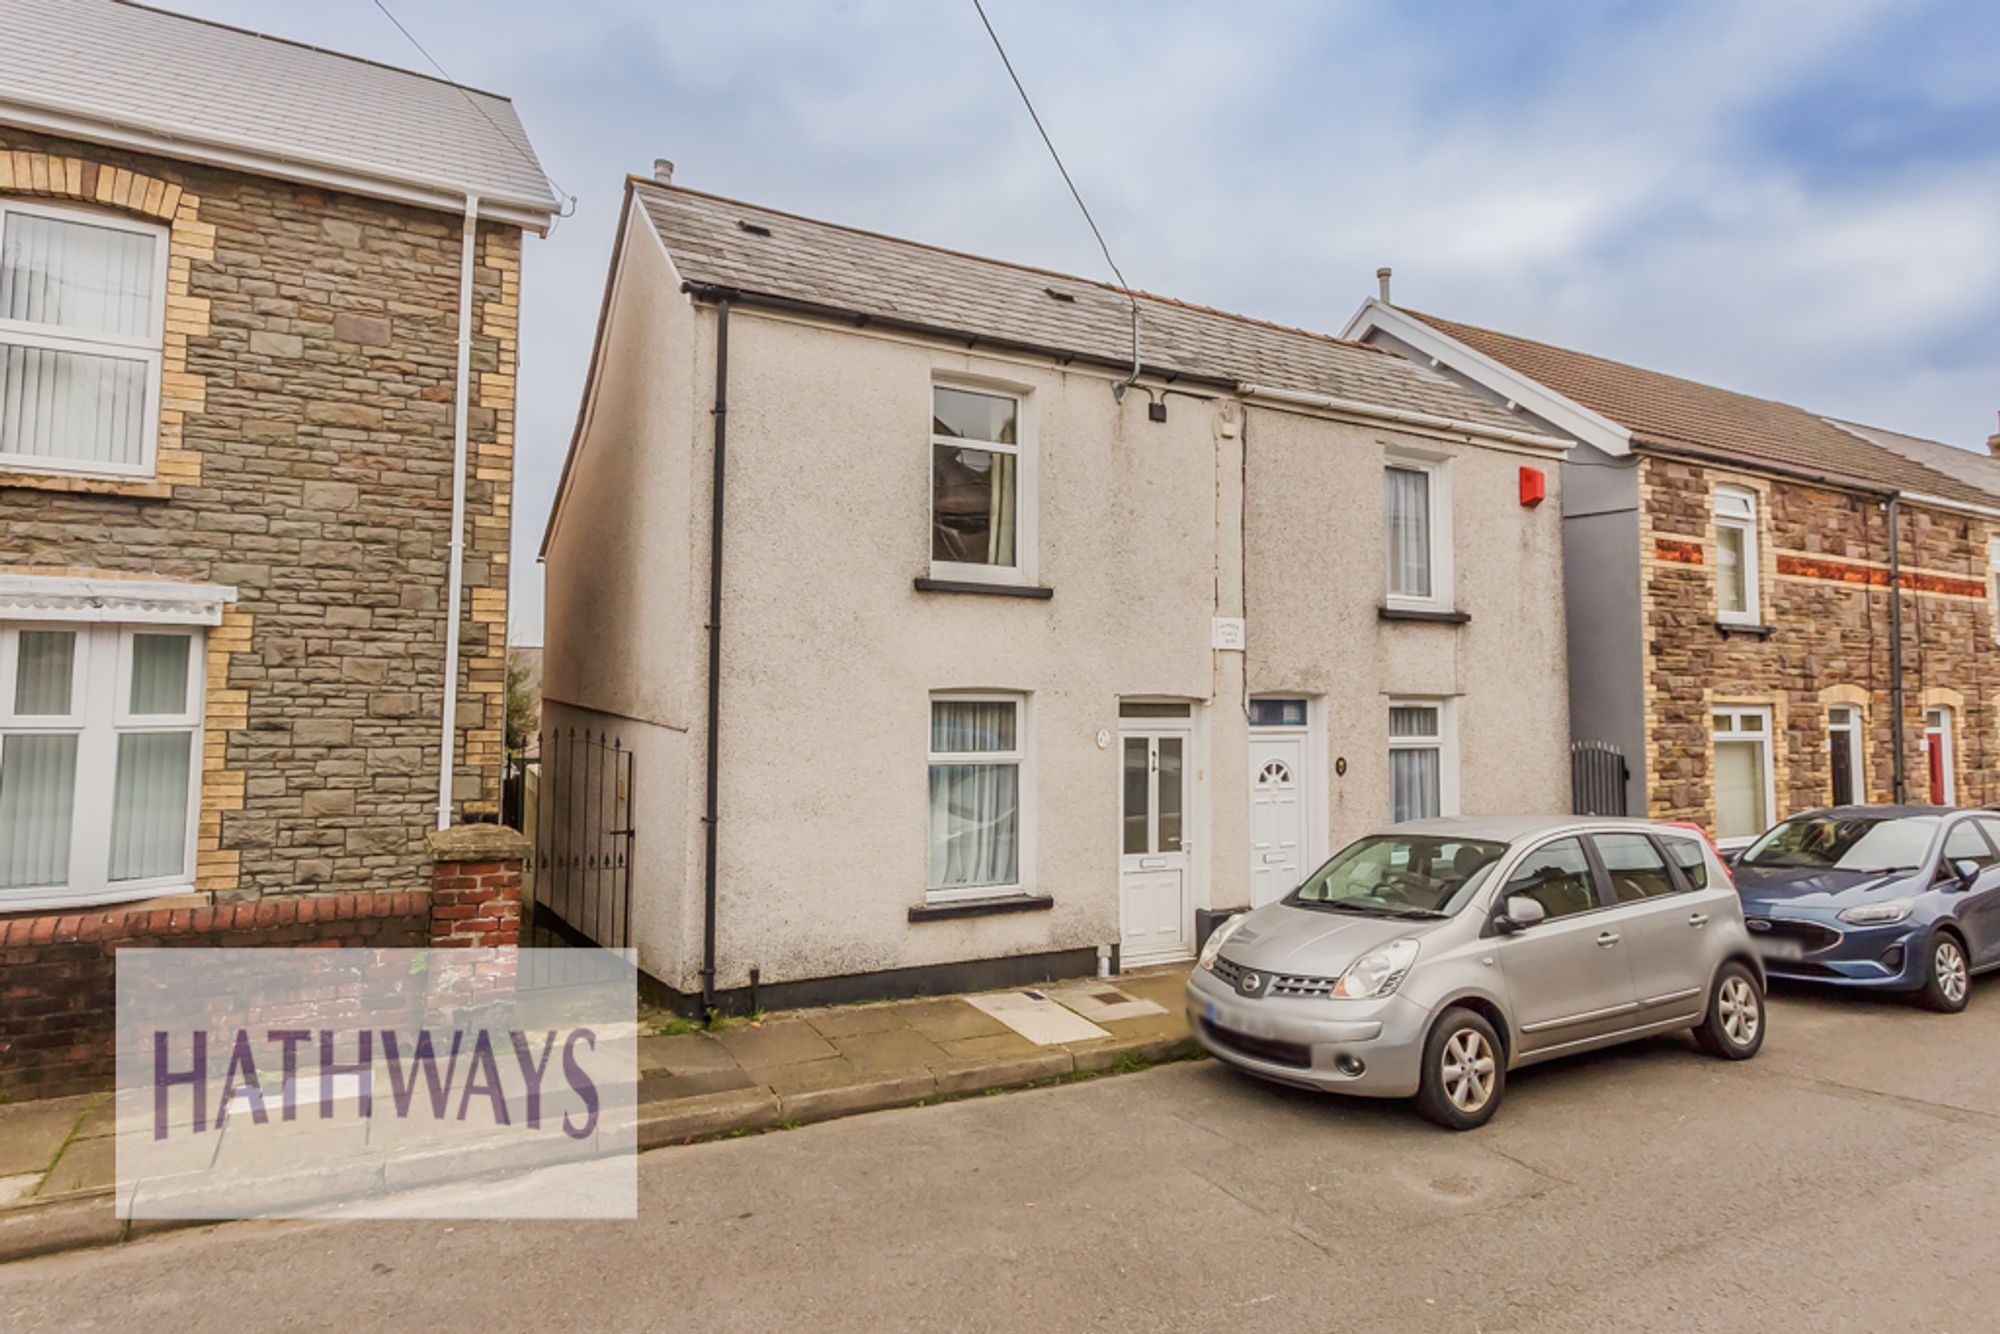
x,y
1896,898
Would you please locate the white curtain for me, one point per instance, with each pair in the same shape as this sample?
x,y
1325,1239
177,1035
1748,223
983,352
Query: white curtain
x,y
37,801
1413,783
149,805
1730,592
975,825
968,726
85,281
45,666
1407,505
159,674
1739,789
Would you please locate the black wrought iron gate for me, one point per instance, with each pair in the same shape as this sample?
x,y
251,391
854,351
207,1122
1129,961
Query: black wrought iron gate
x,y
570,794
1597,777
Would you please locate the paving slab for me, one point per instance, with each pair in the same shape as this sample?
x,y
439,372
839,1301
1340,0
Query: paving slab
x,y
949,1019
775,1042
32,1133
658,1085
683,1053
895,1049
852,1020
87,1164
992,1046
809,1076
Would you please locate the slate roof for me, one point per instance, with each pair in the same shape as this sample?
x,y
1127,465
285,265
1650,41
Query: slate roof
x,y
1721,424
1973,468
126,66
845,269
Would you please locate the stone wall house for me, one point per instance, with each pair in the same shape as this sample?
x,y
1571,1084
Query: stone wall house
x,y
1026,662
230,432
1771,611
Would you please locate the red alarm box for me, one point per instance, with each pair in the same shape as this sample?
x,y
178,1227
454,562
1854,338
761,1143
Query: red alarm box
x,y
1534,487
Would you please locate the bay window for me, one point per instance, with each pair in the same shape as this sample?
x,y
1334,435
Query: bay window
x,y
99,761
82,304
1744,789
982,486
977,753
1736,556
1416,514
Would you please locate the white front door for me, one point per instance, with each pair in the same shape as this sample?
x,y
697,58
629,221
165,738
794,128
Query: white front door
x,y
1153,828
1277,814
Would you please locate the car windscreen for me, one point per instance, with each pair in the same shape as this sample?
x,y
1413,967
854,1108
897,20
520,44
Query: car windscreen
x,y
1845,843
1399,875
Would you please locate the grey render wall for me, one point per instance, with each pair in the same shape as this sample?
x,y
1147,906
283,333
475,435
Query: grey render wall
x,y
1601,586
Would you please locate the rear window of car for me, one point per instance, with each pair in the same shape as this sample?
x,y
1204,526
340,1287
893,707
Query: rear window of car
x,y
1690,856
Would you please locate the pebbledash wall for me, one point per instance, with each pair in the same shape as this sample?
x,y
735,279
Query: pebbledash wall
x,y
305,458
1824,590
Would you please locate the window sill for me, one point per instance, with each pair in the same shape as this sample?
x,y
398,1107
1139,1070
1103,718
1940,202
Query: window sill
x,y
1423,617
134,488
1729,628
925,584
950,909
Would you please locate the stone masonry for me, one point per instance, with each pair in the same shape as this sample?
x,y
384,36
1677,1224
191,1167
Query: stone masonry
x,y
1825,594
305,458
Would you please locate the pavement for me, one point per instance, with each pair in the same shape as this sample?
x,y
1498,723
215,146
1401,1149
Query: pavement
x,y
58,1160
1843,1180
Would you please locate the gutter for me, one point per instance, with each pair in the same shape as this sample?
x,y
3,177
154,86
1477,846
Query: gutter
x,y
710,810
264,157
1404,417
448,727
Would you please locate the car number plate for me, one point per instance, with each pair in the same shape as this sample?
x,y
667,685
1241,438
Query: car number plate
x,y
1780,949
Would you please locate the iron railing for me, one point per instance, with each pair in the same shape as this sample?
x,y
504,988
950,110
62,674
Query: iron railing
x,y
1597,778
570,793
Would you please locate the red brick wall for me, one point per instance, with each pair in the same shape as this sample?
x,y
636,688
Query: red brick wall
x,y
57,971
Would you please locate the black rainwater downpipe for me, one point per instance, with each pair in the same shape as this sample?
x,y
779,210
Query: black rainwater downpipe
x,y
709,815
1896,657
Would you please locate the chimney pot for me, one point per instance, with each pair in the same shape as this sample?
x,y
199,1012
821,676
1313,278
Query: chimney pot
x,y
1382,277
663,170
1993,444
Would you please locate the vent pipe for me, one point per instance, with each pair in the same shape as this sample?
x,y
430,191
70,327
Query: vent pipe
x,y
1382,277
663,170
1993,444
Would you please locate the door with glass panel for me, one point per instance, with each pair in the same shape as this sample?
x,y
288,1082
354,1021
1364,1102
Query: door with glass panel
x,y
1280,798
1155,749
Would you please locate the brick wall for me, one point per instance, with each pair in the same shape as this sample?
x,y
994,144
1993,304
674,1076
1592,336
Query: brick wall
x,y
1824,588
306,447
58,978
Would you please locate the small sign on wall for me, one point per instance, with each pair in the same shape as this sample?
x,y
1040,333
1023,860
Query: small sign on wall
x,y
1227,634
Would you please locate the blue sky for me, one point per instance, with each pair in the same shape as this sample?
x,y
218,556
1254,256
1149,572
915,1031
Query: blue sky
x,y
1795,198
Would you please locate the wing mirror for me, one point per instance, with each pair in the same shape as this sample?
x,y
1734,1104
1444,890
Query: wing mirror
x,y
1519,913
1967,871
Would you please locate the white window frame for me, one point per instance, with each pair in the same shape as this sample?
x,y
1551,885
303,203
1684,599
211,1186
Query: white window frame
x,y
1026,484
1021,758
1743,520
1445,743
100,696
22,333
1946,727
1439,472
1856,752
1759,734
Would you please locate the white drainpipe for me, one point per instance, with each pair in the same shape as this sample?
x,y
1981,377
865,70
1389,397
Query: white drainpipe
x,y
448,732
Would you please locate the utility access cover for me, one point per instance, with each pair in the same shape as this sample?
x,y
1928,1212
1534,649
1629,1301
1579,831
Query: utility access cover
x,y
1036,1017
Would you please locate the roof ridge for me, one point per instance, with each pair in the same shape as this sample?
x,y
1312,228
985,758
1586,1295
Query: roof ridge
x,y
647,182
308,46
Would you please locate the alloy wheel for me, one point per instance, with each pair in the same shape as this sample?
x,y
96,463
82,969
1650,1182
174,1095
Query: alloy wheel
x,y
1740,1010
1468,1070
1951,975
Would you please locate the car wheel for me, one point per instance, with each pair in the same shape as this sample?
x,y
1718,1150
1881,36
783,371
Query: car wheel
x,y
1464,1072
1734,1028
1948,979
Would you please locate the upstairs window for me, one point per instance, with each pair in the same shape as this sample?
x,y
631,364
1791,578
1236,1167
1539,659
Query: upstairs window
x,y
82,301
1736,556
1416,513
982,487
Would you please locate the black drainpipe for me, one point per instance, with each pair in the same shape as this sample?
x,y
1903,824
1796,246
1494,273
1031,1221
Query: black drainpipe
x,y
721,413
1896,656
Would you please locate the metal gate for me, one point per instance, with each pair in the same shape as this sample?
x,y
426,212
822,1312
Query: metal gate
x,y
1597,777
570,794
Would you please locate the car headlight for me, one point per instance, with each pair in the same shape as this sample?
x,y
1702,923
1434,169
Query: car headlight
x,y
1213,946
1876,914
1378,972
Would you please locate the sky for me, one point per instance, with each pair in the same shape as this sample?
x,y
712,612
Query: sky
x,y
1798,199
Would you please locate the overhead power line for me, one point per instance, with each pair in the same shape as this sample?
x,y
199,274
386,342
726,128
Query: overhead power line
x,y
1074,193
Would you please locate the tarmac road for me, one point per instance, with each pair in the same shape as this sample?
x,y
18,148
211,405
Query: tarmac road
x,y
1846,1179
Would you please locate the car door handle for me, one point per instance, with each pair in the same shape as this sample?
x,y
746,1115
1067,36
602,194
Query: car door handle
x,y
1607,938
1697,919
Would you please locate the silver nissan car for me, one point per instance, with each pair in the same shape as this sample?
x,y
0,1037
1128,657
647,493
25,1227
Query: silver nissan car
x,y
1430,959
